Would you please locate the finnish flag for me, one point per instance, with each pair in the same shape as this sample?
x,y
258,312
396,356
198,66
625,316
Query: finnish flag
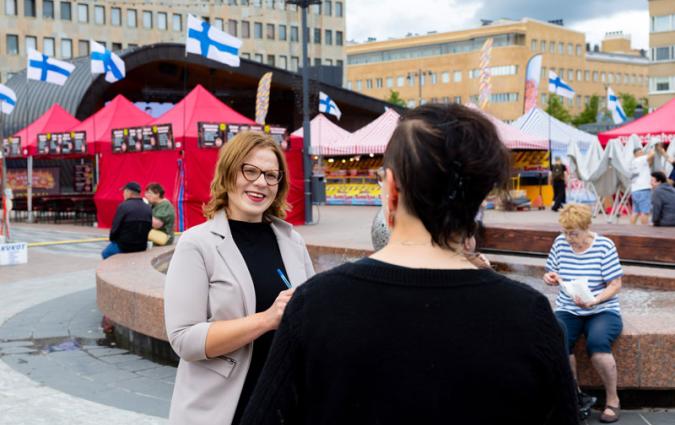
x,y
7,99
103,61
43,68
558,86
327,106
618,115
205,40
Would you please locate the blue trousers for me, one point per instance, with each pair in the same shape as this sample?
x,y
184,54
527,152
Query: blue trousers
x,y
600,329
110,250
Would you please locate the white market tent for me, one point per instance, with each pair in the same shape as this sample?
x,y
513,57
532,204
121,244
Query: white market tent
x,y
537,122
325,135
371,138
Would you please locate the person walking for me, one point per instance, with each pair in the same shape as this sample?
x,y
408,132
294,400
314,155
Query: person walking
x,y
558,178
416,333
131,225
229,281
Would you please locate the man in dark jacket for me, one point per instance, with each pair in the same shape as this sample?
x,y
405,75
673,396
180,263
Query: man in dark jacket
x,y
663,200
131,225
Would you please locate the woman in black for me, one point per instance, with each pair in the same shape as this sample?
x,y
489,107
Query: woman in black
x,y
417,334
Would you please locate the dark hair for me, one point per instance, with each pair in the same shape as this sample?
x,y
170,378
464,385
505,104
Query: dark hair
x,y
659,176
155,188
445,160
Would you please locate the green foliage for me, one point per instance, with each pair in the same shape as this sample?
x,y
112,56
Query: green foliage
x,y
556,109
590,112
628,102
395,98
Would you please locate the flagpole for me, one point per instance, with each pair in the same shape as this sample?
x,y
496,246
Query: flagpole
x,y
307,139
4,227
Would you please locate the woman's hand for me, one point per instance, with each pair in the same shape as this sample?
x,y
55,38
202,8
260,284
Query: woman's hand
x,y
552,279
582,304
276,311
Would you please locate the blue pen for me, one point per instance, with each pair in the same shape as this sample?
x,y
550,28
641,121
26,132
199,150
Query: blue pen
x,y
283,279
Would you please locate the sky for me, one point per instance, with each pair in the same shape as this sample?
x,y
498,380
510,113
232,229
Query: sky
x,y
383,19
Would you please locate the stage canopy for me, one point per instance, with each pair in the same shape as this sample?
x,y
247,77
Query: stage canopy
x,y
659,123
55,120
514,138
372,138
118,113
325,135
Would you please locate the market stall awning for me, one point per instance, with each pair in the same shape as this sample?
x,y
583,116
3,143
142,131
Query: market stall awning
x,y
55,120
514,138
659,123
325,135
372,138
540,124
118,113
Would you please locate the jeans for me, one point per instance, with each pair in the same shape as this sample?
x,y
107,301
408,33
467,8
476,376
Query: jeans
x,y
600,329
111,250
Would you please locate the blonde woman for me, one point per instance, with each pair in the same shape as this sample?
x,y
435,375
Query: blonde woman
x,y
580,253
229,281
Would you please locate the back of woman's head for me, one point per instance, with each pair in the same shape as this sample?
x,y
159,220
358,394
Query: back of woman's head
x,y
445,160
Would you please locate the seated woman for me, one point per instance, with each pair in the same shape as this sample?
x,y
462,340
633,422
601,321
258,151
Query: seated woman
x,y
417,334
580,253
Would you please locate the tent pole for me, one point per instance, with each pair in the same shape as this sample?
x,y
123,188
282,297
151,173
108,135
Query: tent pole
x,y
4,227
29,189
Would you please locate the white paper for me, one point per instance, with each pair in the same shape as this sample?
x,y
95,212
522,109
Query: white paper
x,y
578,288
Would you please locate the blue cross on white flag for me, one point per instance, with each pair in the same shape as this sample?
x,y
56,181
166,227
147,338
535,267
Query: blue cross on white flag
x,y
7,99
558,86
43,68
618,115
103,61
326,105
205,40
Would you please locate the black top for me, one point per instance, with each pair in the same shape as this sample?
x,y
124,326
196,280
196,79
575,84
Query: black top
x,y
373,343
558,171
258,245
131,225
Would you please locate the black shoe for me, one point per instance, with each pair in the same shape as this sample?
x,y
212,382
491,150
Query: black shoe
x,y
585,401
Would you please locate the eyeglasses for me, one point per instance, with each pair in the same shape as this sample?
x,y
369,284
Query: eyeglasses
x,y
380,174
252,173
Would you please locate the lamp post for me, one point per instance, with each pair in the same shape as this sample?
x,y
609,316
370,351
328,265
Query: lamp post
x,y
306,132
420,76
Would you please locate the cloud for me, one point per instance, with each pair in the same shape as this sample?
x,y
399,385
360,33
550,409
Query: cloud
x,y
633,23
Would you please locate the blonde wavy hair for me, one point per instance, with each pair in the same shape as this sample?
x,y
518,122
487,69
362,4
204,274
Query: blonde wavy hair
x,y
575,216
230,159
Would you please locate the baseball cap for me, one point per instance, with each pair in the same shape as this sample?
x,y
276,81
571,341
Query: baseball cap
x,y
132,186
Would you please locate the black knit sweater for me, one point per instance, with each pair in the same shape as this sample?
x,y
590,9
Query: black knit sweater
x,y
373,343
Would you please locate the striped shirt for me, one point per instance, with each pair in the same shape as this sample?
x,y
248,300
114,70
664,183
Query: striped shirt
x,y
599,264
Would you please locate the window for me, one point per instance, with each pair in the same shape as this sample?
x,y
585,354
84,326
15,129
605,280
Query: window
x,y
82,13
131,18
328,7
390,82
258,57
578,49
270,60
544,98
31,43
358,85
349,85
587,100
661,84
283,62
328,37
570,75
626,78
434,77
378,83
369,84
445,77
295,63
533,45
270,31
162,21
29,8
457,99
551,47
543,46
595,75
49,46
282,33
116,47
315,9
12,44
147,19
99,15
603,77
294,34
662,53
83,47
338,9
570,49
10,7
270,4
258,30
579,75
411,104
587,75
257,3
662,23
232,27
610,78
411,80
218,23
339,63
457,76
66,48
177,24
561,47
116,16
48,9
66,11
317,35
338,38
317,61
245,29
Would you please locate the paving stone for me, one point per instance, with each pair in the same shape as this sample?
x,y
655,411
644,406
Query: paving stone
x,y
136,365
148,387
159,372
658,418
110,376
120,358
135,402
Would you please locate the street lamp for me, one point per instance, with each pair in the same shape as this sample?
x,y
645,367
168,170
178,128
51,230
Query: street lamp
x,y
306,132
420,76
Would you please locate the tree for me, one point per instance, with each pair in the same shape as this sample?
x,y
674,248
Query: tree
x,y
395,98
628,102
556,109
589,114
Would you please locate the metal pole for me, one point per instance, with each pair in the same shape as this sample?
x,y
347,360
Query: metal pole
x,y
419,83
3,225
29,189
306,131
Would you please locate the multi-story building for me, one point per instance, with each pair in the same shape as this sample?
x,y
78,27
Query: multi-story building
x,y
270,29
662,52
444,67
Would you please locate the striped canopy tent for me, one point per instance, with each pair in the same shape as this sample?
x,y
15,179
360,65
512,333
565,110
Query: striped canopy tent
x,y
325,135
515,138
540,124
659,124
372,138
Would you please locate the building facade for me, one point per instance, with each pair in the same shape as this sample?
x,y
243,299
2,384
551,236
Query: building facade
x,y
662,52
270,29
444,67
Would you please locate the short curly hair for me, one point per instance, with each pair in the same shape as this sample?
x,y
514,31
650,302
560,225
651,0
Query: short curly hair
x,y
575,216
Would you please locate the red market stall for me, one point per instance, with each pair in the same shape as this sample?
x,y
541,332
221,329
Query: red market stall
x,y
659,123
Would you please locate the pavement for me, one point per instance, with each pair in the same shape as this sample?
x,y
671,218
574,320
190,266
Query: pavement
x,y
56,366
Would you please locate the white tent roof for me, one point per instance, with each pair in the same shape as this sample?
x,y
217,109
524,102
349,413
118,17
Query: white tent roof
x,y
539,123
371,138
325,135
